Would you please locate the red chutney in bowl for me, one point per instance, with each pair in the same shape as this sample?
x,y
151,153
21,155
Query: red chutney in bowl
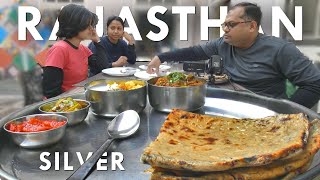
x,y
35,125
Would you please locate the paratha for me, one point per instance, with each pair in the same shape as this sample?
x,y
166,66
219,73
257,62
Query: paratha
x,y
202,143
262,173
298,171
282,168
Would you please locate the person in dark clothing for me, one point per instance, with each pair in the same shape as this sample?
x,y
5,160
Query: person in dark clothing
x,y
258,62
118,52
67,60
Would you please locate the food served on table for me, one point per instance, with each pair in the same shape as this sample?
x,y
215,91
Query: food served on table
x,y
220,143
118,96
285,167
76,110
65,105
124,85
35,125
178,79
194,146
37,130
177,90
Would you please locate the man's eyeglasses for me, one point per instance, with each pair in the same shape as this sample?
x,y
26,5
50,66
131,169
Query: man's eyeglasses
x,y
231,25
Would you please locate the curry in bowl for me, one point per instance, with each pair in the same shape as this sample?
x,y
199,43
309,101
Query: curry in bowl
x,y
109,98
122,85
178,79
64,105
75,110
125,85
177,90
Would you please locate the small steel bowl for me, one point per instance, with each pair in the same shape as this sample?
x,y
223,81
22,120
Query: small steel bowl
x,y
41,138
74,117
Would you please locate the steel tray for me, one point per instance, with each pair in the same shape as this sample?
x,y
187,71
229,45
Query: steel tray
x,y
20,163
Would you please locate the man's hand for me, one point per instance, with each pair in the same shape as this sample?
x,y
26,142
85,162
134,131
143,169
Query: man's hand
x,y
153,66
120,62
128,37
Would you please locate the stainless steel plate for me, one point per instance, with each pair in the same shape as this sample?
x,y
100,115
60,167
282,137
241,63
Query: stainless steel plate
x,y
19,163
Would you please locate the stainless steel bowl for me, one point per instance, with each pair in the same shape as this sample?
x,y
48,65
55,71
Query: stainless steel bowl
x,y
37,139
74,117
164,98
111,103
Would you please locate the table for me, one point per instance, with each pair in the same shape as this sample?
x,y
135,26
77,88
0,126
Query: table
x,y
79,87
20,163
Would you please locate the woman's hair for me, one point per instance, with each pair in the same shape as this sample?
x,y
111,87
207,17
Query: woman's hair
x,y
116,18
73,19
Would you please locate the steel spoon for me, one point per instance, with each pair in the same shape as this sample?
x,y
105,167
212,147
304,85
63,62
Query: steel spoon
x,y
122,126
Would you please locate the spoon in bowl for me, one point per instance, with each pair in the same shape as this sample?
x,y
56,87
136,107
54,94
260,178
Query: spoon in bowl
x,y
122,126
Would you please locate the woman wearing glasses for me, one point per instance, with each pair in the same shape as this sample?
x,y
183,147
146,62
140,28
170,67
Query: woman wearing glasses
x,y
67,60
118,52
256,61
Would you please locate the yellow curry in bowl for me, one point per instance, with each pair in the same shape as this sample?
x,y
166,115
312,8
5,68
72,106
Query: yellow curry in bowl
x,y
124,85
64,105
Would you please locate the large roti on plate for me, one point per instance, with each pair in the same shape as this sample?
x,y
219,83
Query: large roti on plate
x,y
202,143
285,168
